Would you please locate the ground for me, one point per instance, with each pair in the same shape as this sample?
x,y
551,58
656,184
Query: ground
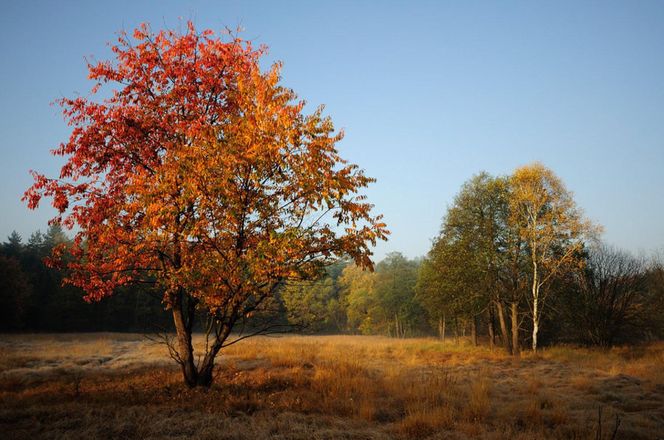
x,y
327,387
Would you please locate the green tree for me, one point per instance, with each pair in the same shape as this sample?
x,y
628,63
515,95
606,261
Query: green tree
x,y
305,303
431,292
396,310
14,245
316,305
463,274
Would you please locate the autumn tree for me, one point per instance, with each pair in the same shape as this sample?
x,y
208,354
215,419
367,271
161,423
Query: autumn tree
x,y
552,228
201,175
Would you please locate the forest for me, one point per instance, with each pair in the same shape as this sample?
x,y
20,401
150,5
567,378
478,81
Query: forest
x,y
475,281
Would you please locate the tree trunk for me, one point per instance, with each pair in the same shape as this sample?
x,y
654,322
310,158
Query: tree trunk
x,y
204,378
535,331
515,327
456,330
185,347
536,310
184,313
473,330
444,322
503,327
398,327
490,328
441,328
206,370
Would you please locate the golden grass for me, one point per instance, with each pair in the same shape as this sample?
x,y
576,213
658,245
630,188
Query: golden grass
x,y
644,361
297,387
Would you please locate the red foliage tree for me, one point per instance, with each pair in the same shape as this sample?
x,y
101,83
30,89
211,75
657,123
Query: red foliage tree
x,y
202,174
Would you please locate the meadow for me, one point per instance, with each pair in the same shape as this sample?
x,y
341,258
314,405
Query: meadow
x,y
103,385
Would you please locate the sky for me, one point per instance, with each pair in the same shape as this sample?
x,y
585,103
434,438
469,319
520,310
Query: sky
x,y
428,94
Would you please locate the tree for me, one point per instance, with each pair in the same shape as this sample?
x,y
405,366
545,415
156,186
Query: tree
x,y
311,304
14,245
431,292
514,280
357,295
614,299
653,320
383,301
396,309
463,273
15,292
445,287
202,176
316,305
553,229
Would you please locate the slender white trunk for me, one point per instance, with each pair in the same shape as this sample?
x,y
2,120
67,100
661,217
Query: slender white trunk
x,y
536,311
535,330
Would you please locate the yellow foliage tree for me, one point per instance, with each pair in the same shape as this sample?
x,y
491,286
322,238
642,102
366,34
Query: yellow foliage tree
x,y
553,228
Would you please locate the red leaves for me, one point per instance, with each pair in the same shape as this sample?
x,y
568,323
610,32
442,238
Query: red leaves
x,y
34,194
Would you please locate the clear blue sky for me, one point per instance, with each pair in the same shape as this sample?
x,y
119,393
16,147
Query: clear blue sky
x,y
429,93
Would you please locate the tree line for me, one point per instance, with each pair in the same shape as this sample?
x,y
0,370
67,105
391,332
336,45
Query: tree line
x,y
514,264
515,261
515,256
33,297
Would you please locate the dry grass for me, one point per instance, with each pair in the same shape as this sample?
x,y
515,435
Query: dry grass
x,y
353,387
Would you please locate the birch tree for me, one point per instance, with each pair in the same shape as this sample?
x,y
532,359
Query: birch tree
x,y
552,227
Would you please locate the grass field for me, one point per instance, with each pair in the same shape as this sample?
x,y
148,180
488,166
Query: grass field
x,y
100,386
